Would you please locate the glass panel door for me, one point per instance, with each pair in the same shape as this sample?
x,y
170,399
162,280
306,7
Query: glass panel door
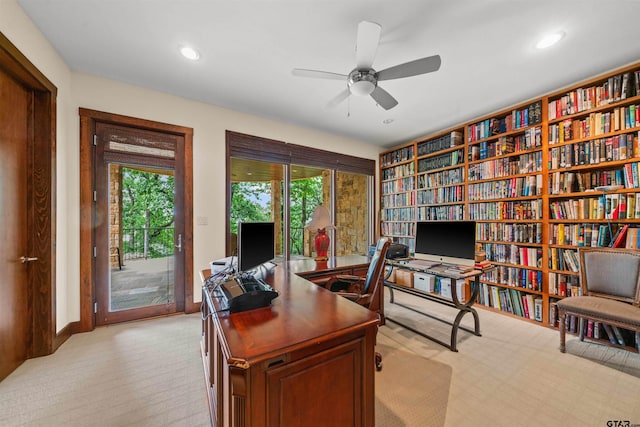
x,y
141,238
256,196
310,187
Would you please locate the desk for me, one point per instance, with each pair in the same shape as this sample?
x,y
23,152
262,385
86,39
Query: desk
x,y
308,358
462,307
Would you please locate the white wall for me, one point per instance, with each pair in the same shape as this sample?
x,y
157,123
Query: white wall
x,y
208,122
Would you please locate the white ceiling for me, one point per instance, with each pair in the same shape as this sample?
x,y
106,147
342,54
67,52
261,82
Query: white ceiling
x,y
248,48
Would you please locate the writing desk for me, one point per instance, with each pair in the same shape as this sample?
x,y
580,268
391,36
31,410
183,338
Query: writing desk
x,y
463,307
308,358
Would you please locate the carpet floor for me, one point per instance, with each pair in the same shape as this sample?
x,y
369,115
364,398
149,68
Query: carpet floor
x,y
149,373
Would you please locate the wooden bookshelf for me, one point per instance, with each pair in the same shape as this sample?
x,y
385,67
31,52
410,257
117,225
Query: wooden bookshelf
x,y
527,176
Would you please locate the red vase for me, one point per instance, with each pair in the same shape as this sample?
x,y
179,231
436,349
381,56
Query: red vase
x,y
322,244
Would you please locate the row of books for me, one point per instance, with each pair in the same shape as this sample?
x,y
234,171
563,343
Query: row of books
x,y
398,185
595,124
446,141
505,166
571,182
513,254
436,213
626,237
594,152
436,179
441,161
398,214
398,171
602,331
564,285
516,119
498,211
399,229
530,139
614,89
586,234
399,199
609,206
509,232
396,156
523,186
441,195
511,301
515,277
564,259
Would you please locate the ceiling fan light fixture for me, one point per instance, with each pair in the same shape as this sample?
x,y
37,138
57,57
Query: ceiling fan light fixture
x,y
362,82
362,88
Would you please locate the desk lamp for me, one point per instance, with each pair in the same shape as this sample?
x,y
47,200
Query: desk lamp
x,y
320,221
605,189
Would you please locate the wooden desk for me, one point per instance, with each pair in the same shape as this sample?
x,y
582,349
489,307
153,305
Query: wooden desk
x,y
308,359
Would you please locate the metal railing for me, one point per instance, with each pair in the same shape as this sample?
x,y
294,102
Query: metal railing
x,y
144,243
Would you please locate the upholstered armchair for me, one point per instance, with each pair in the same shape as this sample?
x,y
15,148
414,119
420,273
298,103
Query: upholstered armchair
x,y
610,282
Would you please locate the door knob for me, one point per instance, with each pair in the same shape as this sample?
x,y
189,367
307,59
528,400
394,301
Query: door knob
x,y
24,259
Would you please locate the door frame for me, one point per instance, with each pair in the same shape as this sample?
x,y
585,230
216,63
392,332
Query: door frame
x,y
41,206
88,120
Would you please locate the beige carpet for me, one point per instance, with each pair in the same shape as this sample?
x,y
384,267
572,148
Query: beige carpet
x,y
410,390
149,373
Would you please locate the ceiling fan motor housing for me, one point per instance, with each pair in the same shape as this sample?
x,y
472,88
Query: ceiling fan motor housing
x,y
362,82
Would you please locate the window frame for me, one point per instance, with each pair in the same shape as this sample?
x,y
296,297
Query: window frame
x,y
250,147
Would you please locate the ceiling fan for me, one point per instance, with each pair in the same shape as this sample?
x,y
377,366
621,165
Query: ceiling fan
x,y
363,80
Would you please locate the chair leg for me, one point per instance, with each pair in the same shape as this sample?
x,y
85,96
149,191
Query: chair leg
x,y
562,317
378,362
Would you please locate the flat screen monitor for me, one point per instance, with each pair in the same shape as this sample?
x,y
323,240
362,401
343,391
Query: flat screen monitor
x,y
449,242
256,244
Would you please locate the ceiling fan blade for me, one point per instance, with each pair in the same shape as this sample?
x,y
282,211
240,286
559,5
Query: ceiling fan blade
x,y
383,98
367,44
339,98
411,68
300,72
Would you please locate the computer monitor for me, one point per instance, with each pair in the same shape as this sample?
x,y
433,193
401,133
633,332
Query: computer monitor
x,y
449,242
256,244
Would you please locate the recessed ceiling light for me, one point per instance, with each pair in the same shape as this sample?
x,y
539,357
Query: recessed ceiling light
x,y
387,121
189,53
550,40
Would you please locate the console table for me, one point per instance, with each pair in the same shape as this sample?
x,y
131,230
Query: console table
x,y
306,359
462,307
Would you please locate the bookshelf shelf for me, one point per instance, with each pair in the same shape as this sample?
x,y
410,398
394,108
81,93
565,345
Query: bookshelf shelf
x,y
527,176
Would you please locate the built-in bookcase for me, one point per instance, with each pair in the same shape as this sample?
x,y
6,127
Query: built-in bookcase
x,y
528,175
505,187
398,190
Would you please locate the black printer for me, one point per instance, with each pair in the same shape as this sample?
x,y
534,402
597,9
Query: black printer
x,y
396,250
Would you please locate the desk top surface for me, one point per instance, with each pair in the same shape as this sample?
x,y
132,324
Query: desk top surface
x,y
302,313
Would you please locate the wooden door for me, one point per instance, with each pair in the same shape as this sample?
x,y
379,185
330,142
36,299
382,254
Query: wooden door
x,y
138,170
14,290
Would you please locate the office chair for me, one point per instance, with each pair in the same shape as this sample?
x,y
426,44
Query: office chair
x,y
364,290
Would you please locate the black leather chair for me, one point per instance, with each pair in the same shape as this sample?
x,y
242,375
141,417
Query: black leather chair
x,y
364,290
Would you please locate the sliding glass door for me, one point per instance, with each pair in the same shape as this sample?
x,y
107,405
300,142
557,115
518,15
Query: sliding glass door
x,y
265,184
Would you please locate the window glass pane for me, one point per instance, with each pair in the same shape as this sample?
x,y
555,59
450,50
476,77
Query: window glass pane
x,y
352,216
310,187
256,195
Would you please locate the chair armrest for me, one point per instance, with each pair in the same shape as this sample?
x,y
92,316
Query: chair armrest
x,y
348,278
362,299
342,278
